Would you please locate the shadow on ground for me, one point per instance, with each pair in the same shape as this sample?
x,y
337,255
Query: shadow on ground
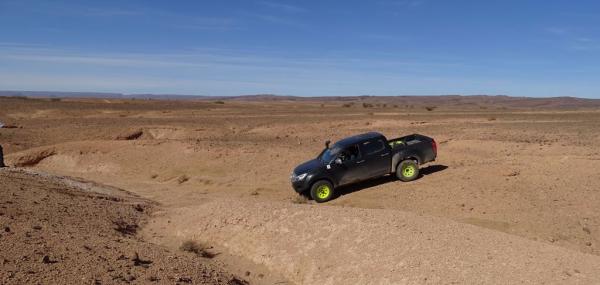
x,y
344,190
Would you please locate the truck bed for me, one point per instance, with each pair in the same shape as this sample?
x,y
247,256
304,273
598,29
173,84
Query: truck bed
x,y
421,147
408,140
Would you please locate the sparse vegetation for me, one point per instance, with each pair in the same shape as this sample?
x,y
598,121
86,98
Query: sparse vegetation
x,y
430,108
182,179
125,228
197,248
347,105
219,102
367,105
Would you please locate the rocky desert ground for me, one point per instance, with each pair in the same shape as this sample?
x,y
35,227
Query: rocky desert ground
x,y
108,190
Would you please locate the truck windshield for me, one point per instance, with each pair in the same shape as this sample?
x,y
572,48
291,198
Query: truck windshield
x,y
329,154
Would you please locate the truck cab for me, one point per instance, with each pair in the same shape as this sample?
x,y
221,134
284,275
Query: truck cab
x,y
362,157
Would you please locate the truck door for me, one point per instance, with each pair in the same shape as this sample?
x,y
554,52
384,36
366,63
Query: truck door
x,y
351,169
377,157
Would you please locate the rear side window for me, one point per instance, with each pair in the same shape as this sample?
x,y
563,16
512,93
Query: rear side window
x,y
372,147
350,153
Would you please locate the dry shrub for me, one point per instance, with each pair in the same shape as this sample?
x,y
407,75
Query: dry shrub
x,y
430,108
367,105
197,248
125,228
182,179
348,105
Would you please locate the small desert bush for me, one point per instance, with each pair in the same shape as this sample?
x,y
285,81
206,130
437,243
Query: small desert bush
x,y
348,105
430,108
182,179
219,102
367,105
196,248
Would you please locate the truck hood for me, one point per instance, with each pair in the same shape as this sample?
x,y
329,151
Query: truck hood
x,y
308,166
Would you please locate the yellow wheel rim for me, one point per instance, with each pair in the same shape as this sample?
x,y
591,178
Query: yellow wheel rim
x,y
323,192
408,171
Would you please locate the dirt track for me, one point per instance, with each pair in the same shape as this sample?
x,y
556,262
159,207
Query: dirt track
x,y
529,173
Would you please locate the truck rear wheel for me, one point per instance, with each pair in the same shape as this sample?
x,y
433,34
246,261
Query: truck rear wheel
x,y
321,191
407,170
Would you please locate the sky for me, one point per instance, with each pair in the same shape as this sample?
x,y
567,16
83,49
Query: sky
x,y
302,48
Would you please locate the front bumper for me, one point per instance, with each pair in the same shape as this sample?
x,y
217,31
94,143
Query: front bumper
x,y
301,186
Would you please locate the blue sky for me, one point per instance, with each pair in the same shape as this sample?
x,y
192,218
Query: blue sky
x,y
304,48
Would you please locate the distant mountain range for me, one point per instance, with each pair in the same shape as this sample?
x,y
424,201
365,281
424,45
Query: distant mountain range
x,y
416,100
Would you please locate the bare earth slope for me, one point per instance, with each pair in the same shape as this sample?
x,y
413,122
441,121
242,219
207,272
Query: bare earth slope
x,y
55,234
332,245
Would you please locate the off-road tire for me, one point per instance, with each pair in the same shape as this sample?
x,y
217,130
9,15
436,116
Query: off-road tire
x,y
322,191
407,170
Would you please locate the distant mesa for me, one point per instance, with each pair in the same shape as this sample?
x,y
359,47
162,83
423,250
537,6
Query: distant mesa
x,y
407,101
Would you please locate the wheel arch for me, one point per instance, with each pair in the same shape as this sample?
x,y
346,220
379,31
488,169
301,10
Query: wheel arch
x,y
397,159
315,180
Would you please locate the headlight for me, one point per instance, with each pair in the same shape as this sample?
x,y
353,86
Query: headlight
x,y
298,177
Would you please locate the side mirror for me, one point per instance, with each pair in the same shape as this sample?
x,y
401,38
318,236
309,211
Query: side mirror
x,y
338,161
327,144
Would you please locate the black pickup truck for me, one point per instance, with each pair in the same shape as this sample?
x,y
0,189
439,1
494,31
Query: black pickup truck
x,y
359,158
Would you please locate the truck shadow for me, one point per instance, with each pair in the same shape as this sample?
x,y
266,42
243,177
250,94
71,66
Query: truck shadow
x,y
344,190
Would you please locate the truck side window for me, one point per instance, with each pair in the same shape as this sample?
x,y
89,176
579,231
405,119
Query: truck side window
x,y
350,153
372,147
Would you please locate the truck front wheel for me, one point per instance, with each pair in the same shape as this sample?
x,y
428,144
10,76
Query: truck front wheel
x,y
407,170
321,191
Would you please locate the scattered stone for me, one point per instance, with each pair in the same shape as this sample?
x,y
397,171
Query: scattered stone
x,y
587,230
184,279
137,261
46,260
138,207
237,281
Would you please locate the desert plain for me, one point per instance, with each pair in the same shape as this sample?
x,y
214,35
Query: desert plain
x,y
107,190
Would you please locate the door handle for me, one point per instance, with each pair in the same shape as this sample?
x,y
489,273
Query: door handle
x,y
385,154
361,161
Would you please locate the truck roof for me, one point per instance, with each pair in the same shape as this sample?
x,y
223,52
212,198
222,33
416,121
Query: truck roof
x,y
358,138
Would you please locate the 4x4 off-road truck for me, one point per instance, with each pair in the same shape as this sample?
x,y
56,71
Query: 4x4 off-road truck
x,y
359,158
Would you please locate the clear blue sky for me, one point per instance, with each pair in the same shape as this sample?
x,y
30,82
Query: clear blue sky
x,y
305,48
